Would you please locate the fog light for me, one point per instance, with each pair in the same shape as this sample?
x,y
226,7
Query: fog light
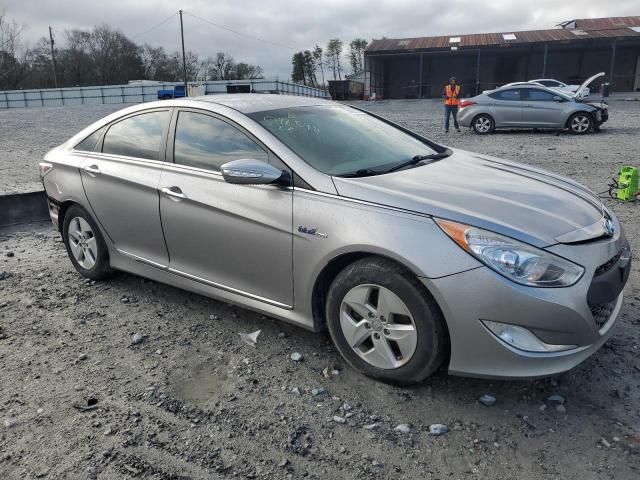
x,y
522,338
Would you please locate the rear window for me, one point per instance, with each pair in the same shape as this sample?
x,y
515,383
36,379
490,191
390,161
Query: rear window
x,y
139,136
89,143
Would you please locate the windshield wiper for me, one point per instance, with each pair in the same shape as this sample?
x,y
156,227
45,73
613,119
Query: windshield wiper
x,y
419,158
363,172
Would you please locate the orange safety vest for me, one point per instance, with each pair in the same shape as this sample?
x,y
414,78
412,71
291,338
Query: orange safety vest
x,y
451,96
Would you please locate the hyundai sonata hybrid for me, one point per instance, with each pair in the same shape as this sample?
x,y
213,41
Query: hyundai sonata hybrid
x,y
411,254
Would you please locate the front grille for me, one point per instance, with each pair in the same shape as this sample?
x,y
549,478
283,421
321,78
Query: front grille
x,y
605,267
602,313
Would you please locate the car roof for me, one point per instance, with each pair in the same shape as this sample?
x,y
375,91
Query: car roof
x,y
258,102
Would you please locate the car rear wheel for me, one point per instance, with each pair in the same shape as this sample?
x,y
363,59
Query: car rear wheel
x,y
580,123
384,322
85,246
483,124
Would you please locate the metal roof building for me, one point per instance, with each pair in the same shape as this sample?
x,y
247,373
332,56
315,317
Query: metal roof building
x,y
571,52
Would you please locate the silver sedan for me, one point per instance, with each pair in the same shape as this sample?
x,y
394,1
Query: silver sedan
x,y
531,105
412,255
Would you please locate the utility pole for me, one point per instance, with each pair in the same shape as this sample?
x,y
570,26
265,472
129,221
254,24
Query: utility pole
x,y
53,59
184,60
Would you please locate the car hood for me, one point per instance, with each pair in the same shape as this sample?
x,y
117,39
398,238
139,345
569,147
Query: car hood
x,y
519,201
582,89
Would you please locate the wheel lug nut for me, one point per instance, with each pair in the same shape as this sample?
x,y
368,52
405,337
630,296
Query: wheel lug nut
x,y
382,319
370,315
386,331
367,325
376,336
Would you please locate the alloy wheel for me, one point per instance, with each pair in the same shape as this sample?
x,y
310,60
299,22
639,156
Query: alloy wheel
x,y
82,242
378,326
483,124
580,123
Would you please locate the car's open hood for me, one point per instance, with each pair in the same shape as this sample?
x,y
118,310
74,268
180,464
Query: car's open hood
x,y
586,83
526,203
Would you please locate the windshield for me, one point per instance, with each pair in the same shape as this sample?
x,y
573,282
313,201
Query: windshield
x,y
339,140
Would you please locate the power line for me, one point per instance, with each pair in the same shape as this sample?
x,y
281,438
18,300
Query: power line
x,y
239,33
155,26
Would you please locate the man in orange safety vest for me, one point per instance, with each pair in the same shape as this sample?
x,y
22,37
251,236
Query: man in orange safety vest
x,y
451,94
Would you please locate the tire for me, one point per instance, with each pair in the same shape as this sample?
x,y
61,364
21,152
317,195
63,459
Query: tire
x,y
423,339
483,124
580,123
85,245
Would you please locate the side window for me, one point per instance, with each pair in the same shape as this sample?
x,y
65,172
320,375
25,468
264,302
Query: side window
x,y
511,94
550,83
206,142
536,95
90,142
139,136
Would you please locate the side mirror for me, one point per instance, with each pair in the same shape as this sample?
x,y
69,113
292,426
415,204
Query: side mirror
x,y
556,98
249,171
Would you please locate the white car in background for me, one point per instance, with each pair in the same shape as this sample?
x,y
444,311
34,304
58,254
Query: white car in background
x,y
562,87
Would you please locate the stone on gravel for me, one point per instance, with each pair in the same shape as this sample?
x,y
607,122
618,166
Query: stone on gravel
x,y
317,391
296,357
487,400
339,419
250,339
4,275
402,428
605,443
10,254
561,408
82,356
556,399
296,390
372,426
438,429
137,338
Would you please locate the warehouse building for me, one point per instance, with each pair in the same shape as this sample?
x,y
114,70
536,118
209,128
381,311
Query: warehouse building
x,y
571,52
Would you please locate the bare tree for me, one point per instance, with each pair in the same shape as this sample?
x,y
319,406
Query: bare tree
x,y
333,54
319,61
356,54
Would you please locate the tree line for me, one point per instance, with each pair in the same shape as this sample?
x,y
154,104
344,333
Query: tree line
x,y
104,56
309,66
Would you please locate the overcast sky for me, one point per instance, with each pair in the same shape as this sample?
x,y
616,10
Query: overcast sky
x,y
299,24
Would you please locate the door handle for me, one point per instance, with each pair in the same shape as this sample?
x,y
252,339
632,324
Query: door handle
x,y
93,170
173,192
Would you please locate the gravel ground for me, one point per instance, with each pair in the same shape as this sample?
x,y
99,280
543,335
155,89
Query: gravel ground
x,y
26,134
80,399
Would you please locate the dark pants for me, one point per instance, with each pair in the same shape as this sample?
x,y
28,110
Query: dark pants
x,y
451,110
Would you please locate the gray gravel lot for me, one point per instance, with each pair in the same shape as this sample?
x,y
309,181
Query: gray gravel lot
x,y
193,401
26,134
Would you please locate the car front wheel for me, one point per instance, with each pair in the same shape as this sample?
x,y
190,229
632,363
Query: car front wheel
x,y
85,246
580,123
385,323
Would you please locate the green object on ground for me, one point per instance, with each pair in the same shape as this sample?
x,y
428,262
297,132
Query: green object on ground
x,y
627,184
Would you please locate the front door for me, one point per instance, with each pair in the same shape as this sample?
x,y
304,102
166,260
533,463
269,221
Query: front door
x,y
541,110
121,182
234,237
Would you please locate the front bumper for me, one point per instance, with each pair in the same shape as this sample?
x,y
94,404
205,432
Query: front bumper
x,y
558,316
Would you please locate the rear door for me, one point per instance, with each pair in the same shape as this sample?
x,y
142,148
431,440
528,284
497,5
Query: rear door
x,y
120,179
234,237
506,107
541,110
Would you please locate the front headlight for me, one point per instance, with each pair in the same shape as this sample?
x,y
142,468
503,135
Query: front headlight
x,y
517,261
